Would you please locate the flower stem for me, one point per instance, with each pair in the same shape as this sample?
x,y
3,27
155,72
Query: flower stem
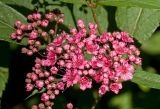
x,y
97,98
96,102
92,5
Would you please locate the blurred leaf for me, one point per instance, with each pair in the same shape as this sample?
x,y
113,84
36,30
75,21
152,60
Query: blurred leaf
x,y
150,80
121,101
132,3
144,88
152,46
7,18
3,79
83,12
24,3
139,22
74,1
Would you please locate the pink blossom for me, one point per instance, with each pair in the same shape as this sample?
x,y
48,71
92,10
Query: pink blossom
x,y
126,38
64,62
71,77
98,77
115,87
104,37
103,89
58,41
92,48
85,83
46,62
60,86
125,71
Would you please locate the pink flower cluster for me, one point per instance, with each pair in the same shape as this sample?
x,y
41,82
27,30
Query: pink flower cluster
x,y
38,31
111,60
79,57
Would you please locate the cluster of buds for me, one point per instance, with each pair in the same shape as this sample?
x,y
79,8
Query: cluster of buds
x,y
79,57
39,30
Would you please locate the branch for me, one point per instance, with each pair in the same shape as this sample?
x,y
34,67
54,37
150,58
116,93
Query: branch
x,y
92,5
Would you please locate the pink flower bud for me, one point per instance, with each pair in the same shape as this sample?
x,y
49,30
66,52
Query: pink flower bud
x,y
52,96
50,78
80,23
49,16
39,84
30,17
29,52
19,32
29,87
54,70
61,20
73,31
69,106
46,74
19,37
18,24
44,23
61,63
51,31
69,65
33,35
34,77
44,34
59,50
66,47
45,97
13,36
132,58
60,86
37,43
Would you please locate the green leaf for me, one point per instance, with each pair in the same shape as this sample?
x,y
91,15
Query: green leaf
x,y
24,3
83,12
150,80
74,1
131,3
152,46
121,101
3,79
87,56
139,22
36,92
7,18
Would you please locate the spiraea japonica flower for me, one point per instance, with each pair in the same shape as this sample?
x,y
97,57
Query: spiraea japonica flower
x,y
80,57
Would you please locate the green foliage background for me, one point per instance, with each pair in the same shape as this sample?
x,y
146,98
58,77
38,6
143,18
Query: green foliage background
x,y
141,18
